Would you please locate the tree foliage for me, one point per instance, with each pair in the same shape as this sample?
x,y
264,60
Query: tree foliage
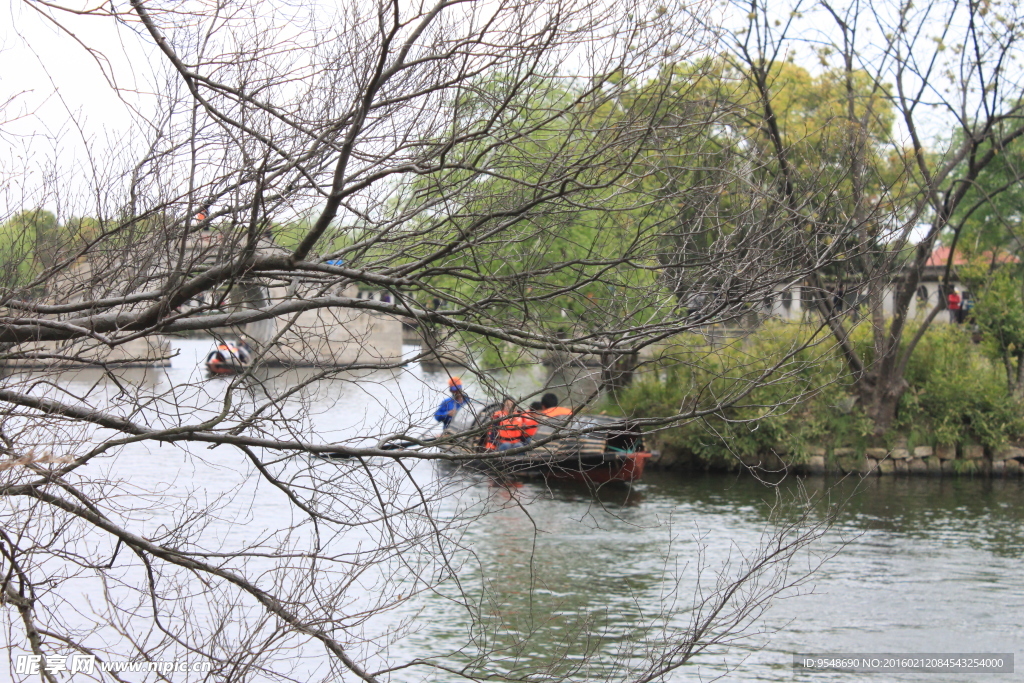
x,y
988,220
999,314
885,183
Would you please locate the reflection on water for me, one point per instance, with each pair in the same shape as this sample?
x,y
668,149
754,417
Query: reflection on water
x,y
926,566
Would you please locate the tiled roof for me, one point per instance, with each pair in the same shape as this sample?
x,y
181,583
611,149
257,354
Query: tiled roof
x,y
940,257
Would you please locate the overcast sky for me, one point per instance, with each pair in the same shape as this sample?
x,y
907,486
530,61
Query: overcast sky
x,y
59,104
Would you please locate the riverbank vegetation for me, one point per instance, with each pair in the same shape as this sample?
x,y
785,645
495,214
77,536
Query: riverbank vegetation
x,y
957,394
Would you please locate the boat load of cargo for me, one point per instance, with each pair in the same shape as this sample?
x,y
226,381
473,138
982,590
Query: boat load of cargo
x,y
580,448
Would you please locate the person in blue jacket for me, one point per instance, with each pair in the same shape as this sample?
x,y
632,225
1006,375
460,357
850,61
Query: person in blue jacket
x,y
445,412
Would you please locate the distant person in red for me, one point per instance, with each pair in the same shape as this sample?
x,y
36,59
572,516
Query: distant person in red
x,y
953,304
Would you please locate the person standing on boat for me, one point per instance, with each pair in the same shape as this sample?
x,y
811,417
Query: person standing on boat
x,y
229,352
445,412
551,407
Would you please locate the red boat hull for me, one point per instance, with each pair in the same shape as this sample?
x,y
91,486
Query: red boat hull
x,y
589,449
223,369
627,469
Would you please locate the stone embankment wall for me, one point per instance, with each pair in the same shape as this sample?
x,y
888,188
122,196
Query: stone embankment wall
x,y
969,459
900,460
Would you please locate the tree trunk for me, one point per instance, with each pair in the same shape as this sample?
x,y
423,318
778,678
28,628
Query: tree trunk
x,y
1016,379
880,394
617,370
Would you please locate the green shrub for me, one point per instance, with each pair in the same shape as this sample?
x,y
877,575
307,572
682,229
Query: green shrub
x,y
957,394
965,466
804,403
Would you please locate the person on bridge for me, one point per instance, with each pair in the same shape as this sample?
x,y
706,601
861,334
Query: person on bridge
x,y
551,407
446,412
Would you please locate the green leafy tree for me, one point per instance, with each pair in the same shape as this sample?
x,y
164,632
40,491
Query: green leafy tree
x,y
781,188
679,228
991,215
895,188
29,242
987,229
999,313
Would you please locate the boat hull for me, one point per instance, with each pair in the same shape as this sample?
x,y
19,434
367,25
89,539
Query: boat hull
x,y
224,368
589,449
618,467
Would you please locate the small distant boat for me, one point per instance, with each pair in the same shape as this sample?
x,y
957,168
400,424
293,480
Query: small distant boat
x,y
595,449
226,359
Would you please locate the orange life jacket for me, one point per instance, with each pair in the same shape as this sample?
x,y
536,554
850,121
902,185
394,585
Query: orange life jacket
x,y
556,411
510,428
529,424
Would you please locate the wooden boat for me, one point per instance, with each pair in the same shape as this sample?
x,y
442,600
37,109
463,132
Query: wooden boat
x,y
591,449
224,362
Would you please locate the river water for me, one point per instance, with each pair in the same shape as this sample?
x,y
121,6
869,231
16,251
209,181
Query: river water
x,y
570,582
